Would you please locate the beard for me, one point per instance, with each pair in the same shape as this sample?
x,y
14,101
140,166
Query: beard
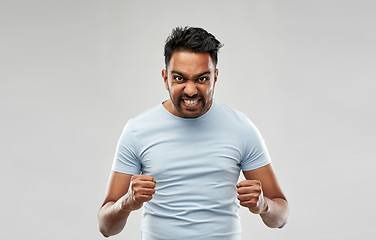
x,y
191,113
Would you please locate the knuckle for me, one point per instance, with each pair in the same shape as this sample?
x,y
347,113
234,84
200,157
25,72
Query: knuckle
x,y
135,177
254,198
137,198
145,198
136,191
252,204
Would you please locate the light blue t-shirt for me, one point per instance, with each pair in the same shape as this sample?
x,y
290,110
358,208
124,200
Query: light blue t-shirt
x,y
196,164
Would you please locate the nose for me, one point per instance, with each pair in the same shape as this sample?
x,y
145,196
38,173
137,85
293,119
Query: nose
x,y
190,88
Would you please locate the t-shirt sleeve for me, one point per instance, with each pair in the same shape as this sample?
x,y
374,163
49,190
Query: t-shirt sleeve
x,y
126,160
256,154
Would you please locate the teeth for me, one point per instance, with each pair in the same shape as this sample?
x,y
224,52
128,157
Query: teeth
x,y
190,102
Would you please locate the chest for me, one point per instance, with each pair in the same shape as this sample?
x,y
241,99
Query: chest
x,y
203,156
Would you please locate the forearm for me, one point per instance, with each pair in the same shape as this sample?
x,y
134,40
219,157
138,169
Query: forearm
x,y
276,213
112,218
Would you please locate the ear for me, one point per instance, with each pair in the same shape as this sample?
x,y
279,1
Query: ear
x,y
215,76
165,78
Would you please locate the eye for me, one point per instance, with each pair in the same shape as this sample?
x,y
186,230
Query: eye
x,y
178,78
203,79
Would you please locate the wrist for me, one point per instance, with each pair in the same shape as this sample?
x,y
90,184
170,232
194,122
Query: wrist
x,y
266,207
124,205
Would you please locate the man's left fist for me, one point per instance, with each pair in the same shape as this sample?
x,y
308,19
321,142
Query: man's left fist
x,y
251,196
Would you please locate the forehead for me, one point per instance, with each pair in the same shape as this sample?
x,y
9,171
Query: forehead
x,y
190,62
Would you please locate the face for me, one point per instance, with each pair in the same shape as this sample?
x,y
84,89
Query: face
x,y
190,80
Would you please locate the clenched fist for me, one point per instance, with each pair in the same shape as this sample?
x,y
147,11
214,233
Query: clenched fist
x,y
251,196
141,189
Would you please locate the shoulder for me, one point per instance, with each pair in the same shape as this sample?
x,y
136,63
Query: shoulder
x,y
152,114
237,120
152,120
229,112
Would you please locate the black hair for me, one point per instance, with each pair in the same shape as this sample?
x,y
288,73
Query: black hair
x,y
191,39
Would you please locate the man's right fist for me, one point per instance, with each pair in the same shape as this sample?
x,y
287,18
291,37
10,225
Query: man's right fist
x,y
141,189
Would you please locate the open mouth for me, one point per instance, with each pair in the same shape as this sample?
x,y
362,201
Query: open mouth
x,y
190,103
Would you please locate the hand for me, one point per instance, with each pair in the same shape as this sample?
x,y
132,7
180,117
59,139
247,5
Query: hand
x,y
141,189
251,196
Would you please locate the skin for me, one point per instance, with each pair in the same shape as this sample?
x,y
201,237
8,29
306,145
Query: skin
x,y
262,195
190,76
125,193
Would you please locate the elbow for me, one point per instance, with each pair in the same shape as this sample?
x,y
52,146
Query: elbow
x,y
107,231
284,217
277,224
282,224
104,232
104,228
106,236
277,218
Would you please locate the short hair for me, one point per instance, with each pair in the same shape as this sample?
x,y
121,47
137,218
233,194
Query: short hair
x,y
191,39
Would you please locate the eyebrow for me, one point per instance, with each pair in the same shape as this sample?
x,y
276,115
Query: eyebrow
x,y
198,75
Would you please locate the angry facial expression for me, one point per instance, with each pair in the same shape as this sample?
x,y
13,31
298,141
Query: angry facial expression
x,y
190,80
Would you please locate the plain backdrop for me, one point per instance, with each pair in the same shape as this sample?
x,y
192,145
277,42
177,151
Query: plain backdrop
x,y
73,72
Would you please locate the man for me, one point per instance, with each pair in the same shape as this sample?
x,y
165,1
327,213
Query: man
x,y
181,160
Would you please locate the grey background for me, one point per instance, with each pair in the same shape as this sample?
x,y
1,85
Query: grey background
x,y
73,72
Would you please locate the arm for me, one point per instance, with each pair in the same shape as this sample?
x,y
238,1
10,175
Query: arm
x,y
125,193
261,194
